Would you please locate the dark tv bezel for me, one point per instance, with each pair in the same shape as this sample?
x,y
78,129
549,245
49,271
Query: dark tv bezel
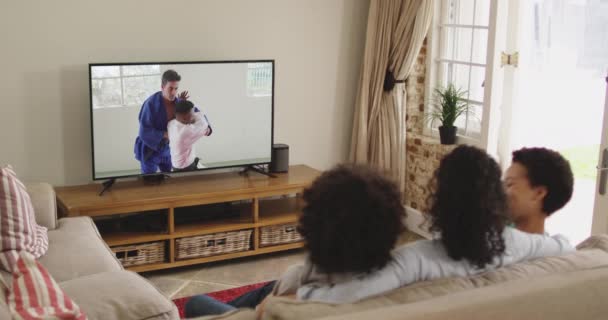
x,y
95,178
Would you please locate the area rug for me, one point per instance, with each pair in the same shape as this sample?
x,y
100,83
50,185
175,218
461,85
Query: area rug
x,y
224,296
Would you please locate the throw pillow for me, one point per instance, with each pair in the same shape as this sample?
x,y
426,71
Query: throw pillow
x,y
35,294
18,228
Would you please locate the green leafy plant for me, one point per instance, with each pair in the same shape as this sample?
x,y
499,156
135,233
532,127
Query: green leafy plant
x,y
449,103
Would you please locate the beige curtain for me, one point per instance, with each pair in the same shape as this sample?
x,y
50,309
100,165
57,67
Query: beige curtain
x,y
395,32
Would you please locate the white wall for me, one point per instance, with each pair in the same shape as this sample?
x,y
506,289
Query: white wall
x,y
46,46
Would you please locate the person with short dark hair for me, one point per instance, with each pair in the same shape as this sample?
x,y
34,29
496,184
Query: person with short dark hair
x,y
468,212
539,182
183,131
350,222
152,143
170,76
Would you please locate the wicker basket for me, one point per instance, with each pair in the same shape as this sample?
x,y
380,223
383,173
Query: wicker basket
x,y
279,234
212,244
138,254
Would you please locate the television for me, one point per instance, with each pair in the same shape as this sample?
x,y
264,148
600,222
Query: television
x,y
154,118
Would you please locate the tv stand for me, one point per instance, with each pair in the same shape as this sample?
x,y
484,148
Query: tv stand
x,y
258,170
151,226
107,185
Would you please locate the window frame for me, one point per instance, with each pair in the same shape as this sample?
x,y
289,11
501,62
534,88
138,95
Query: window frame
x,y
122,76
438,37
254,92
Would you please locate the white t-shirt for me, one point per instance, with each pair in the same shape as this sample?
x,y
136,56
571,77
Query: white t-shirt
x,y
428,260
182,138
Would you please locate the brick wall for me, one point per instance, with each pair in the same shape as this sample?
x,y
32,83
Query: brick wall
x,y
423,156
423,153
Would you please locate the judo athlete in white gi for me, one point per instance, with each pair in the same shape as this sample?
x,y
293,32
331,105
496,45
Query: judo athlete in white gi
x,y
184,131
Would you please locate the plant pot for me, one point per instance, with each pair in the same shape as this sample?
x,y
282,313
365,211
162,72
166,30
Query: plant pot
x,y
447,135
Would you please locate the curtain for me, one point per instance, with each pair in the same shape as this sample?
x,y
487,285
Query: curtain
x,y
395,33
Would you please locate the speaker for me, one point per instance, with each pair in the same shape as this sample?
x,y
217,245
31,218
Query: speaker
x,y
279,158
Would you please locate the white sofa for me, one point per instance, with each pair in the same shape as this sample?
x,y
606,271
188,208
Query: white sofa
x,y
88,271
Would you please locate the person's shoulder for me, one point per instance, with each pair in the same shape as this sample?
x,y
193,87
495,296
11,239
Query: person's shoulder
x,y
513,235
173,124
153,98
416,248
511,231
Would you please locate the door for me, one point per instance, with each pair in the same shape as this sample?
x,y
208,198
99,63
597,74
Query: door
x,y
600,213
554,97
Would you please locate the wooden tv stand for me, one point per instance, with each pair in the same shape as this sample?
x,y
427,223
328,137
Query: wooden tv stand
x,y
260,201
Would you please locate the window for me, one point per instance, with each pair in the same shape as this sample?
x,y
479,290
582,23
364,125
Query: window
x,y
459,49
259,79
119,86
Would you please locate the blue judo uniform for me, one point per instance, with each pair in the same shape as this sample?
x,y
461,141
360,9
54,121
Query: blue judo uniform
x,y
150,149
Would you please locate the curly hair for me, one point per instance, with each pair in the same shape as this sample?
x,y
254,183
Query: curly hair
x,y
351,219
550,169
469,206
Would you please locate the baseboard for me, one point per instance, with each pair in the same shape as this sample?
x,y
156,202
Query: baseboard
x,y
415,222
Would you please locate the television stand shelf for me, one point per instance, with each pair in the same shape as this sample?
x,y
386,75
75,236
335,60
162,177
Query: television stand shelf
x,y
191,208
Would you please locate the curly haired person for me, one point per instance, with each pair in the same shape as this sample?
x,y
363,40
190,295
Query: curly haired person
x,y
350,222
469,215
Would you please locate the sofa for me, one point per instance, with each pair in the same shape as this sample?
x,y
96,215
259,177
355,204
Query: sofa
x,y
571,286
88,271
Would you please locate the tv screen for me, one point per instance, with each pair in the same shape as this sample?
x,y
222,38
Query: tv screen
x,y
151,118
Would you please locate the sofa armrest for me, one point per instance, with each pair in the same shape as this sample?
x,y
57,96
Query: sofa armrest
x,y
120,295
45,204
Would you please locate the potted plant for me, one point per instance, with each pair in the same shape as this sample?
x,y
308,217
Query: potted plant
x,y
449,104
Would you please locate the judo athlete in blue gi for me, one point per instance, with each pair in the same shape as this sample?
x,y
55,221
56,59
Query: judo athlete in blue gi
x,y
152,144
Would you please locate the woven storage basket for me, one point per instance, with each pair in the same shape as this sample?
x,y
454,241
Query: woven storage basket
x,y
213,244
284,233
138,254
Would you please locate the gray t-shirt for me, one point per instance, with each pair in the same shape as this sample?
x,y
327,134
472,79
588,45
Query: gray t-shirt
x,y
418,261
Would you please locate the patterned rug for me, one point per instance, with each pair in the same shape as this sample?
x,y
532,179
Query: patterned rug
x,y
224,295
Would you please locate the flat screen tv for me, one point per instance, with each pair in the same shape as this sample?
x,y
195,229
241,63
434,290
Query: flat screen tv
x,y
166,117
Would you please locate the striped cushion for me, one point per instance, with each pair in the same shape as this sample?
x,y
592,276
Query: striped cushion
x,y
18,228
35,295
